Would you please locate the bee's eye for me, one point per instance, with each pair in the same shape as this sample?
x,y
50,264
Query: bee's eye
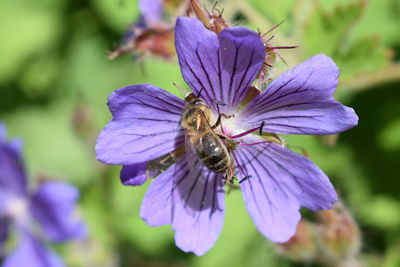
x,y
197,102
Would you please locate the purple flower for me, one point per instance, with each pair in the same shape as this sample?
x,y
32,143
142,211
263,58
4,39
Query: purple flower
x,y
150,34
221,68
151,11
51,207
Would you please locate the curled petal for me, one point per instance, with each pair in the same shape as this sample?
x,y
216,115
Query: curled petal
x,y
300,101
53,206
134,174
31,252
221,66
12,173
145,125
192,200
281,182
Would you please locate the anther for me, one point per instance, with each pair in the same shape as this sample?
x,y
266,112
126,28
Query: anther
x,y
245,178
261,127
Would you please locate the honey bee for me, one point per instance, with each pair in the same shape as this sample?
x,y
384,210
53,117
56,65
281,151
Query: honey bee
x,y
204,141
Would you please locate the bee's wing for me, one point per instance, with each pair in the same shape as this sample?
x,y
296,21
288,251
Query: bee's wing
x,y
157,166
190,153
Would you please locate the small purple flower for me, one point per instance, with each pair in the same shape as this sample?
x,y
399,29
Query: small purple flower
x,y
150,34
51,207
151,11
146,125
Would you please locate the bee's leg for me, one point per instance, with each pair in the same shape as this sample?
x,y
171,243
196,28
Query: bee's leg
x,y
218,122
229,175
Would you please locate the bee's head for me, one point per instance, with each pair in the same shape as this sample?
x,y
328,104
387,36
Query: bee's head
x,y
193,99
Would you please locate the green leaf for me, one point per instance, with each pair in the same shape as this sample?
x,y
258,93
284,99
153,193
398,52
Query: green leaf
x,y
130,227
380,18
383,212
40,75
366,54
117,14
274,11
332,33
240,244
26,30
51,146
327,32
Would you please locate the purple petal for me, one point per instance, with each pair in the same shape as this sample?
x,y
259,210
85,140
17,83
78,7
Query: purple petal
x,y
12,173
152,11
281,182
157,204
16,144
3,132
300,101
31,252
224,65
145,125
3,233
192,200
53,206
134,174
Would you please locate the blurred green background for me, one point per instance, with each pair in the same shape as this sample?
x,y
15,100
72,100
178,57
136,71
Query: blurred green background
x,y
55,79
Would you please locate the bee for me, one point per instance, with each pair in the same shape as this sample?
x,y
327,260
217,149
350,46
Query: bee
x,y
204,141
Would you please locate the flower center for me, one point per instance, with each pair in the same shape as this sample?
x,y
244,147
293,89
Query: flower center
x,y
17,207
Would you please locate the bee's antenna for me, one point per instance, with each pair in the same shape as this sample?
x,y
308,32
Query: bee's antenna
x,y
183,91
216,101
198,95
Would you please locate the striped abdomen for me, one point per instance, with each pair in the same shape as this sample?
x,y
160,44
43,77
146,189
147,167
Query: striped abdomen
x,y
212,153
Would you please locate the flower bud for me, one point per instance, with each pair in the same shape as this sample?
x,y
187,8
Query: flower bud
x,y
301,247
158,41
213,22
338,236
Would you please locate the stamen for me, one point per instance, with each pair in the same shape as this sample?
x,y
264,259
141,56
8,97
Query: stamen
x,y
253,144
269,39
248,132
245,178
273,28
261,127
282,47
208,12
214,7
268,65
